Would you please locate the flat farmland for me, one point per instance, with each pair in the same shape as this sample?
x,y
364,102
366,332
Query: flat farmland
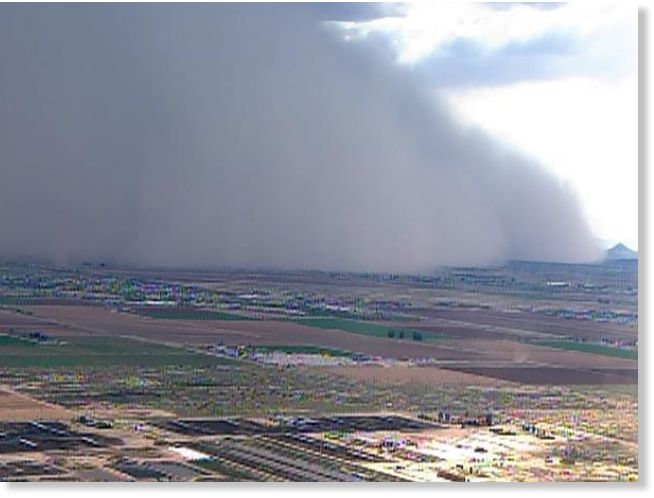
x,y
513,352
532,322
468,331
96,351
550,375
188,313
592,348
101,321
9,319
494,358
17,407
424,376
387,330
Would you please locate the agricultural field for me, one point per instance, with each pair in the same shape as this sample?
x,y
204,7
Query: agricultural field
x,y
416,375
280,351
520,351
101,321
187,314
516,321
592,348
371,329
16,352
551,375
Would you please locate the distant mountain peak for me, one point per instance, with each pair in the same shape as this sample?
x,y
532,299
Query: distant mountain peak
x,y
620,251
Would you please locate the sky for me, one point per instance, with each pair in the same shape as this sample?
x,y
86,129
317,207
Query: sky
x,y
335,137
558,81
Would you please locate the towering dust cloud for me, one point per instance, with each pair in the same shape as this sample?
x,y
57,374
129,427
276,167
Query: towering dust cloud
x,y
241,135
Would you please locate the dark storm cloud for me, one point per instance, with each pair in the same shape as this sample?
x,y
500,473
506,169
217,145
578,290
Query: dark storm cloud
x,y
212,135
355,11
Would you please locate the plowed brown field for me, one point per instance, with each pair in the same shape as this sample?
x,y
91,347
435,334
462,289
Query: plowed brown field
x,y
401,375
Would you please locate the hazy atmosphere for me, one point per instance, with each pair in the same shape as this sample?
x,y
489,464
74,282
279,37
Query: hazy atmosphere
x,y
318,242
229,135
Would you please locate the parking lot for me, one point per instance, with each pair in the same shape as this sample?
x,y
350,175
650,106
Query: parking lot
x,y
293,425
19,437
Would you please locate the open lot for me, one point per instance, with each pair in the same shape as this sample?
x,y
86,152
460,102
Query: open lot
x,y
17,406
551,376
530,322
9,319
400,375
517,353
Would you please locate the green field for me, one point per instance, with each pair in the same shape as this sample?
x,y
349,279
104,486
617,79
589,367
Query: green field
x,y
371,329
189,314
12,341
96,352
591,348
14,300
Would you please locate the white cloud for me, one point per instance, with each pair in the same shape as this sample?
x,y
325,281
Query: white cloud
x,y
427,27
583,130
569,98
